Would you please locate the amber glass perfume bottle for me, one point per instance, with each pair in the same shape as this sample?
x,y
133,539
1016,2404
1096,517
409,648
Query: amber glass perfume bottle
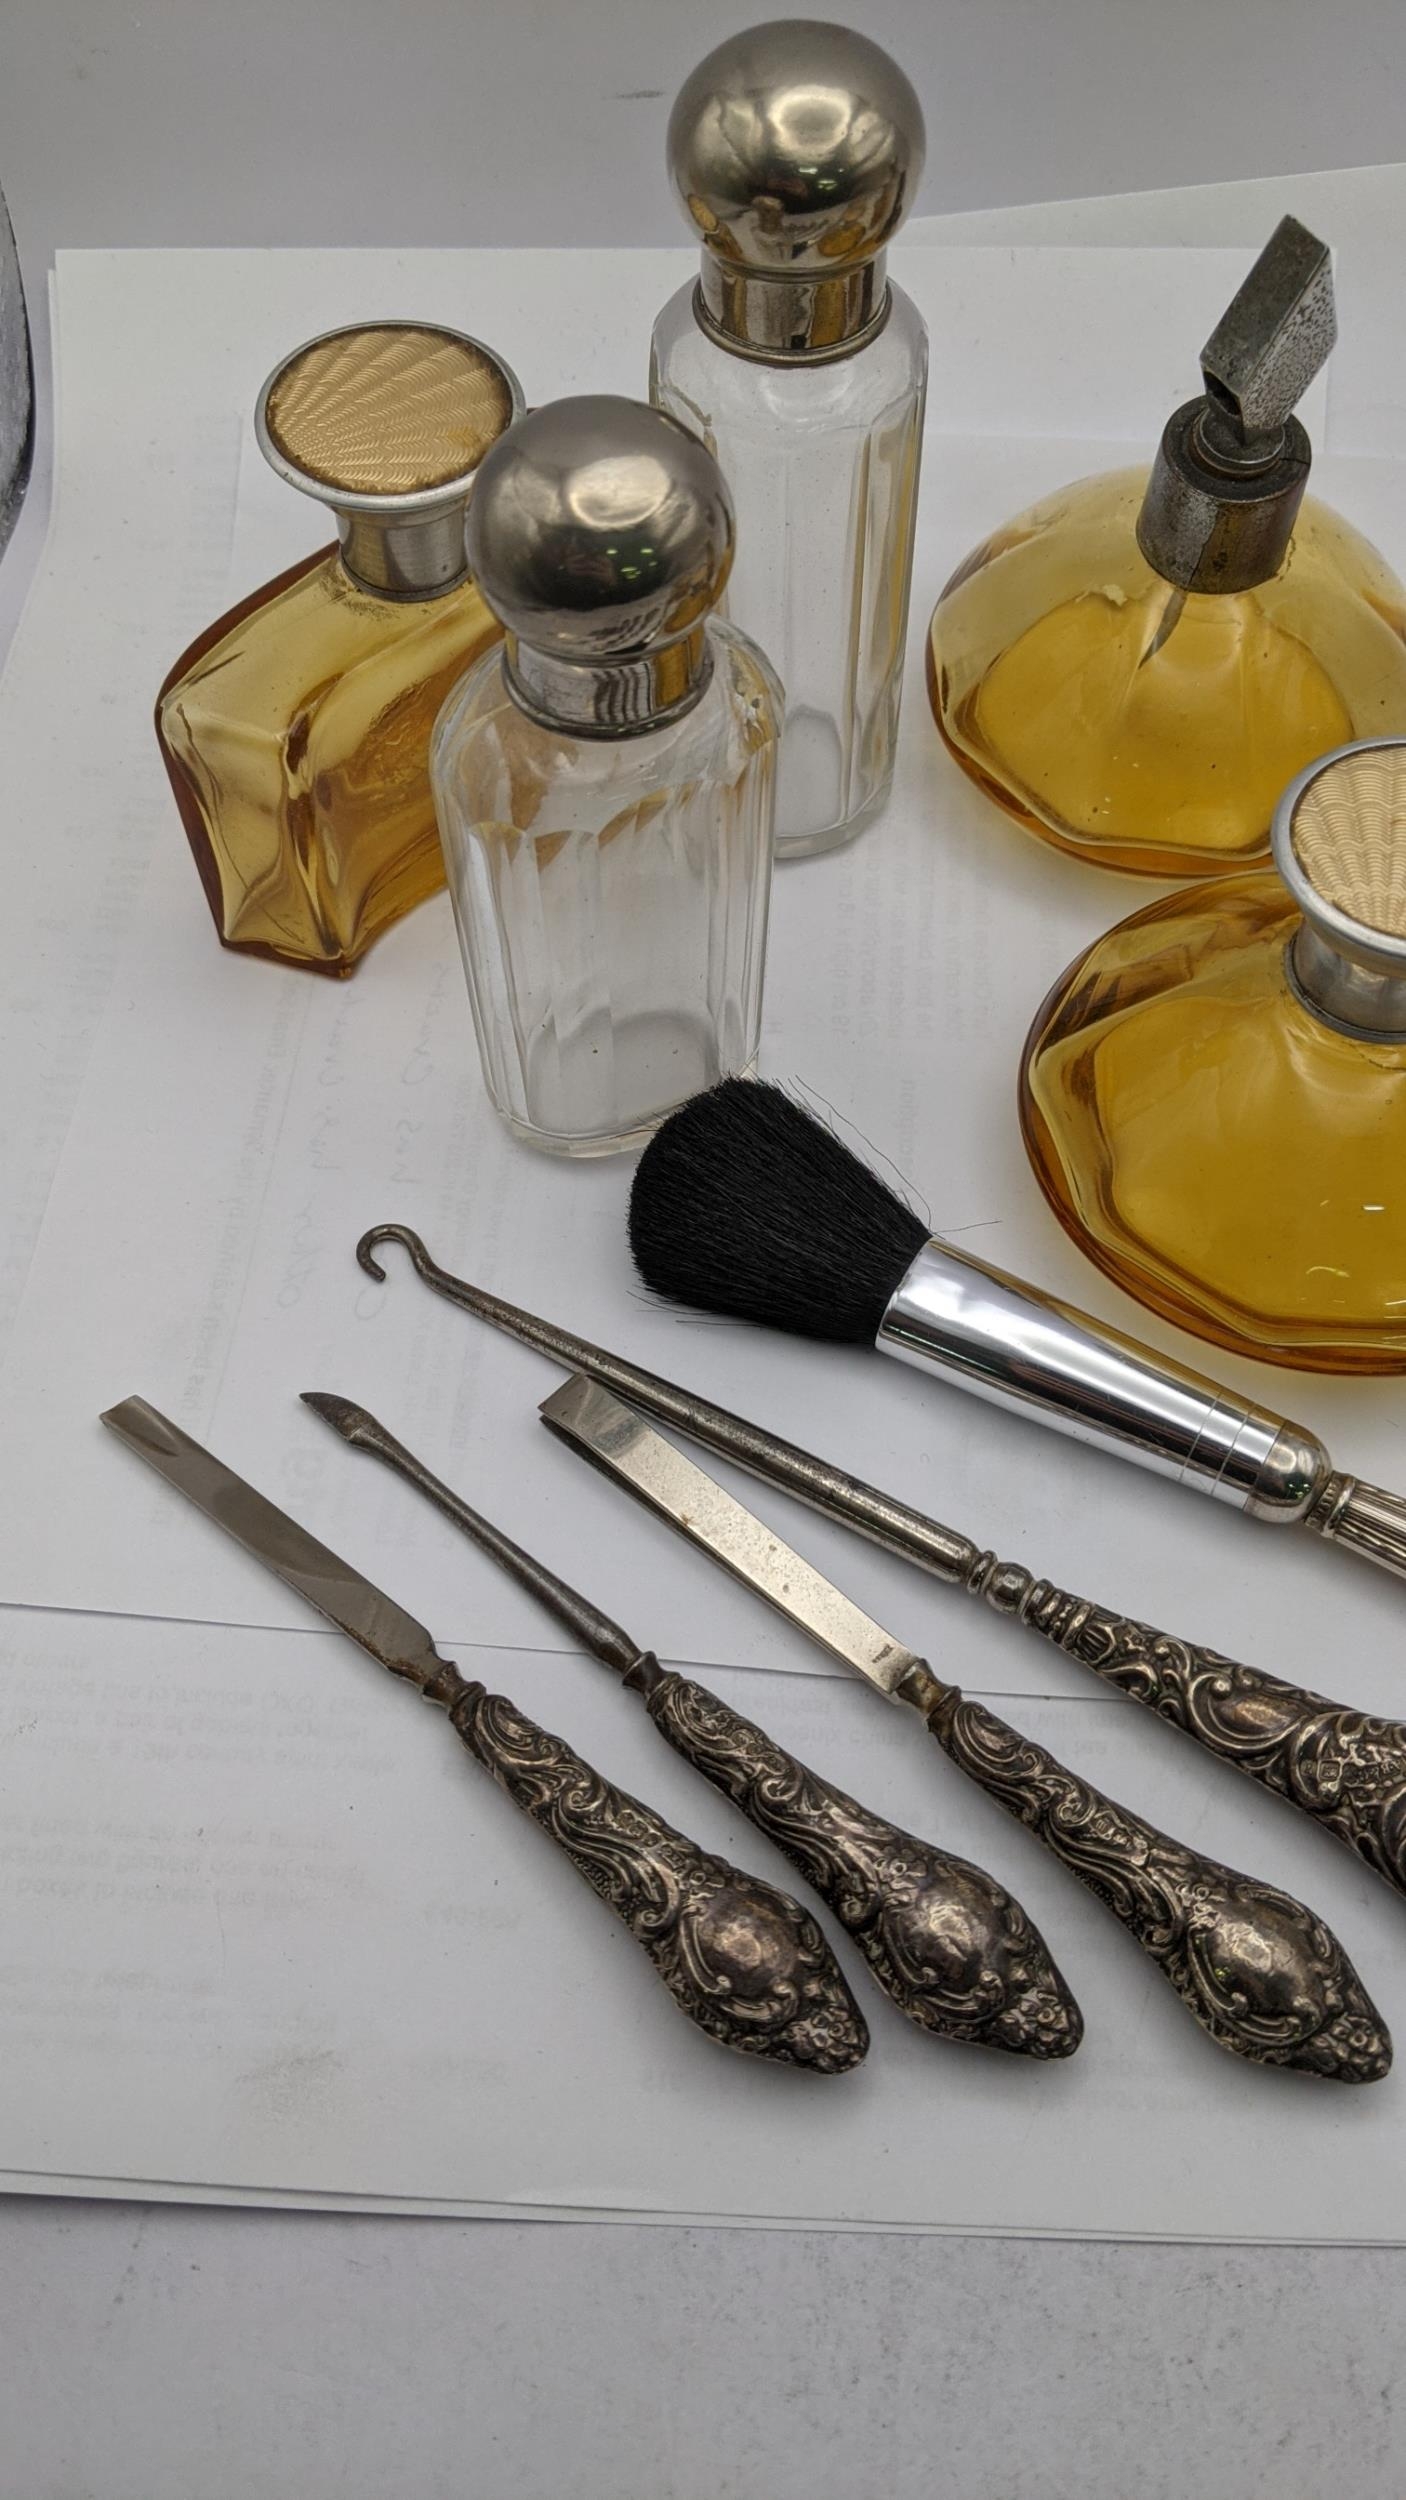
x,y
1214,1096
1137,666
296,732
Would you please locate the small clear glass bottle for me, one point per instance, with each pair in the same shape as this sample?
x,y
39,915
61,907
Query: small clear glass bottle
x,y
296,731
796,149
606,781
1214,1096
1135,667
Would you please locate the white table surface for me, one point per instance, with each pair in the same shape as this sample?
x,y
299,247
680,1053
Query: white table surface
x,y
168,2354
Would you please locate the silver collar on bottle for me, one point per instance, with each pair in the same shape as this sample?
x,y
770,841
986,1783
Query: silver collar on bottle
x,y
776,320
619,698
406,555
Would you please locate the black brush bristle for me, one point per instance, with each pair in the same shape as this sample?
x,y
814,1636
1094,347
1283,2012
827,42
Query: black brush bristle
x,y
746,1204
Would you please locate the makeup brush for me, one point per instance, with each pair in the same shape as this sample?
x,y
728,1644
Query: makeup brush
x,y
745,1204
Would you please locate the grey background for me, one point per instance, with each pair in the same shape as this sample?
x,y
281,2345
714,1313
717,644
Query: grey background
x,y
162,2354
540,121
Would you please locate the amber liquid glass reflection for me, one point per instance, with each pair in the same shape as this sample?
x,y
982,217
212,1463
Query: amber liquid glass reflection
x,y
296,733
1227,1156
1147,727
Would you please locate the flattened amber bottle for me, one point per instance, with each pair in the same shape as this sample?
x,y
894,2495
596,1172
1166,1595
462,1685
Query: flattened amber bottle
x,y
1136,667
296,732
1214,1096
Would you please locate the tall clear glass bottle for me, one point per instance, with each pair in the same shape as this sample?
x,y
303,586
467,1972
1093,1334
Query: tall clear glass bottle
x,y
1135,667
606,782
795,149
296,730
1214,1095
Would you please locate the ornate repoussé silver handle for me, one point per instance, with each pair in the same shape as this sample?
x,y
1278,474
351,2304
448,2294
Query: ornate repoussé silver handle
x,y
742,1960
1345,1768
1264,1976
944,1940
949,1945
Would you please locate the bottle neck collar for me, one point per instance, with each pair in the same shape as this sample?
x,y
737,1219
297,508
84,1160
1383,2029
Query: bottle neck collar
x,y
408,554
790,320
1362,999
619,698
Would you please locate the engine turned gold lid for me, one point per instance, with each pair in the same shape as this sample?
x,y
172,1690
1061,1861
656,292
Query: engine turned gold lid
x,y
387,422
1340,846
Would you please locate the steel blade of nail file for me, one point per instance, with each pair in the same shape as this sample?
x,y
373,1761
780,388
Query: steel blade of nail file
x,y
372,1619
622,1444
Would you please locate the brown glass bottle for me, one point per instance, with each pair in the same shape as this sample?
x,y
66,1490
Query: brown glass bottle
x,y
1146,727
296,731
1138,665
1214,1096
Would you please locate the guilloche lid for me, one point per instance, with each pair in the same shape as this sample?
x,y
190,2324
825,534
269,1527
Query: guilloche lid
x,y
601,536
1232,465
796,149
1339,840
387,422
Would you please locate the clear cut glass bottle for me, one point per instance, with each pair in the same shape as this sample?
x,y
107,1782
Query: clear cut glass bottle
x,y
1214,1096
796,148
296,730
606,782
1135,667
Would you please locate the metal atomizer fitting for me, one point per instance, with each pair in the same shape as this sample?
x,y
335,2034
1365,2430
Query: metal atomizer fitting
x,y
1232,465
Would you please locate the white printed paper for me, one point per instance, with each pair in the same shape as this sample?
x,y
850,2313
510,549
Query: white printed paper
x,y
265,1923
194,1142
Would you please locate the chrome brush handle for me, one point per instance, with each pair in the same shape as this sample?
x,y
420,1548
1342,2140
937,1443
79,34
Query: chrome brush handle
x,y
743,1961
1022,1349
948,1943
1018,1348
1345,1769
1266,1978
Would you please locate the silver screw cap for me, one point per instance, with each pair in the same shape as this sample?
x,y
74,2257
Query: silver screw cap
x,y
796,149
600,534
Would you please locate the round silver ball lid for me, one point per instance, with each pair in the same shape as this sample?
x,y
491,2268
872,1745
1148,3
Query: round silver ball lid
x,y
601,535
796,149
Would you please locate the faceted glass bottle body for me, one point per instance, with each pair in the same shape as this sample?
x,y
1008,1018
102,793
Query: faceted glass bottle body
x,y
611,897
1146,727
1227,1156
822,463
296,733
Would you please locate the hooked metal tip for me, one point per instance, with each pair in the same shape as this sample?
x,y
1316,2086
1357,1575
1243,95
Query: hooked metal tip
x,y
402,1233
